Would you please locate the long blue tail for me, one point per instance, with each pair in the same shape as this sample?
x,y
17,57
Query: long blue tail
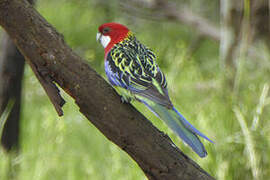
x,y
180,126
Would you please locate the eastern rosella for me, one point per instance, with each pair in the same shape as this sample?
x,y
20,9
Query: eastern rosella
x,y
132,69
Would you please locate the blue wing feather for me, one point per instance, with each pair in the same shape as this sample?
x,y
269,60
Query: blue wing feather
x,y
114,77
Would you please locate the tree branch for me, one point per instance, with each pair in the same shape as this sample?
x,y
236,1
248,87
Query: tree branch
x,y
41,45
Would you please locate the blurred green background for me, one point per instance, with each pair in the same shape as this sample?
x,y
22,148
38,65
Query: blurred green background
x,y
71,148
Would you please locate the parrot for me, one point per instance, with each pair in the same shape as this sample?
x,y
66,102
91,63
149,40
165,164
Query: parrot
x,y
131,68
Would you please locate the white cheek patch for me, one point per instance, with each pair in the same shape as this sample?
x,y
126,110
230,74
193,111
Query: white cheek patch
x,y
105,40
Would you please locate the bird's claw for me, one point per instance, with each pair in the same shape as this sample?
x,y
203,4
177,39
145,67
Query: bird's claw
x,y
125,99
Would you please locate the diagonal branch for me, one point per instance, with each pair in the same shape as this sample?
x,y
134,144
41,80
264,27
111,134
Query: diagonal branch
x,y
43,46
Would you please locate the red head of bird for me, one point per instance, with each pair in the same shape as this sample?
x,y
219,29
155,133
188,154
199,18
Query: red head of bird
x,y
110,34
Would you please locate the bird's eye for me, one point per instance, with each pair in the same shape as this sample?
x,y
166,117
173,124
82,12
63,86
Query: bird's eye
x,y
106,30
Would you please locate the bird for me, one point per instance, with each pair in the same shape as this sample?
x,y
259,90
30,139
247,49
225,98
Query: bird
x,y
131,68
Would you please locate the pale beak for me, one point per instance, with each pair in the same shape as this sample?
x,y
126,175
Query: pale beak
x,y
99,35
103,40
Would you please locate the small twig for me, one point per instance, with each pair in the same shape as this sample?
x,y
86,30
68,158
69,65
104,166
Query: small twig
x,y
50,88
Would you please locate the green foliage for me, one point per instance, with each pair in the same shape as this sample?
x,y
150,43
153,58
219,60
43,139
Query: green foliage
x,y
72,148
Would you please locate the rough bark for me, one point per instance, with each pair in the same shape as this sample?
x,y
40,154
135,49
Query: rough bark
x,y
43,47
11,71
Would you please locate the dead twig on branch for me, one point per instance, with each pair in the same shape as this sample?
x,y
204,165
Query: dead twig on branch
x,y
41,45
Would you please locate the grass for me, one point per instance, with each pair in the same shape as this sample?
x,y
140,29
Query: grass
x,y
71,148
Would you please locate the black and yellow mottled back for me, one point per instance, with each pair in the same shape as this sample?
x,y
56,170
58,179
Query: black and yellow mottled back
x,y
132,66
